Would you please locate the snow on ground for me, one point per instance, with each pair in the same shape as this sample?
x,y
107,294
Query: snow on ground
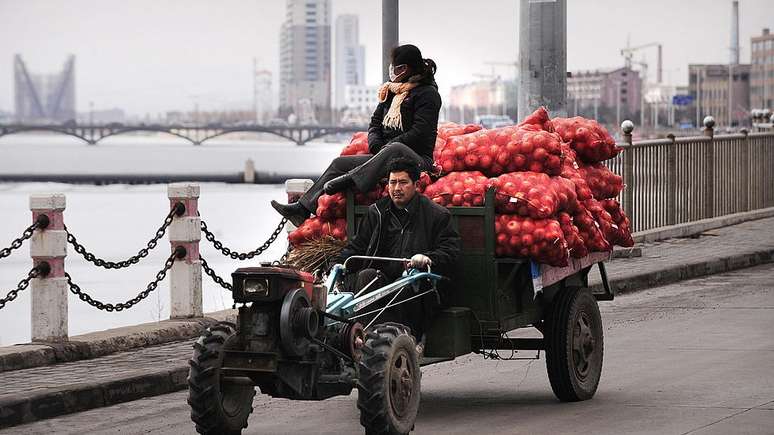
x,y
115,221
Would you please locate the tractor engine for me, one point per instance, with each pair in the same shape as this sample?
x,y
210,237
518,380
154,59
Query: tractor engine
x,y
282,343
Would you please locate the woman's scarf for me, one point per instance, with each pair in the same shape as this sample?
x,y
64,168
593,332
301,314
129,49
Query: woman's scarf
x,y
393,119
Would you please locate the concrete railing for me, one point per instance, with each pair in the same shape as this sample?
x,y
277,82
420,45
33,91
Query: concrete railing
x,y
687,179
48,245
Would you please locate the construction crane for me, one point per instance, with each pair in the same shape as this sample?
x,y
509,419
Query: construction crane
x,y
628,52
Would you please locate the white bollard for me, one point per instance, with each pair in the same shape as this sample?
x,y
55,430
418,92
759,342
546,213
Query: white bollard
x,y
295,187
185,285
49,294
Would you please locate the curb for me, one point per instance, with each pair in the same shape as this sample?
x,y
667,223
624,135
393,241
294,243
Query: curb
x,y
687,271
96,344
83,396
692,228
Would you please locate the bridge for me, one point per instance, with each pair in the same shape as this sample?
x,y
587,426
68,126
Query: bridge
x,y
197,135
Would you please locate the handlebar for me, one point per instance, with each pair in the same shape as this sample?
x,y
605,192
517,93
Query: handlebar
x,y
368,257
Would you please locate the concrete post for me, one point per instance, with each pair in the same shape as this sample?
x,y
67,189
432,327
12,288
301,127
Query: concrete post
x,y
628,198
295,187
390,26
543,57
709,168
249,174
671,181
49,294
185,296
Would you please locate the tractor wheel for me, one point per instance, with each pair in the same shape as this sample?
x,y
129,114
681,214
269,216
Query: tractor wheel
x,y
574,344
389,380
217,407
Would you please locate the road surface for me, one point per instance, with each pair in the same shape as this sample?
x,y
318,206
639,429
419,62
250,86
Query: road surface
x,y
695,357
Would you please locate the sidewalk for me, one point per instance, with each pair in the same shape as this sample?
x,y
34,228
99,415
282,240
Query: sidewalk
x,y
42,392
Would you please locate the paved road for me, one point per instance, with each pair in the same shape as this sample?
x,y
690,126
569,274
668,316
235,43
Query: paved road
x,y
695,357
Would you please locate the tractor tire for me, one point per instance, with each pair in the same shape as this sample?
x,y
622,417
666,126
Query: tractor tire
x,y
216,407
389,381
574,344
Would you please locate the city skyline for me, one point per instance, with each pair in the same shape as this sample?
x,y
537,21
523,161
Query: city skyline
x,y
175,55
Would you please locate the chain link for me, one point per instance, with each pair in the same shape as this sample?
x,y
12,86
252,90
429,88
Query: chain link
x,y
75,289
178,209
243,255
41,222
218,280
33,273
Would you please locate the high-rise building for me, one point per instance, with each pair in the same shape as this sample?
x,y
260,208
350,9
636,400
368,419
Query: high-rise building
x,y
350,57
44,97
762,80
305,58
264,107
708,84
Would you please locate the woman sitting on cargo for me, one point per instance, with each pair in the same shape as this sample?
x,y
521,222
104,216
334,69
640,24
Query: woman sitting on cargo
x,y
403,125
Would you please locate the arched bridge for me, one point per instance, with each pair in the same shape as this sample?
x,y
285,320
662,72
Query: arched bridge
x,y
197,135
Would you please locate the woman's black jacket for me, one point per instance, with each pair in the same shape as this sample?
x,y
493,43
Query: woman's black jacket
x,y
419,113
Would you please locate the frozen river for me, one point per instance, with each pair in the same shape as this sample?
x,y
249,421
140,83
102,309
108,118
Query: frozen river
x,y
115,221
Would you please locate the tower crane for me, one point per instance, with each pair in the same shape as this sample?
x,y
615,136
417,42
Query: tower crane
x,y
628,52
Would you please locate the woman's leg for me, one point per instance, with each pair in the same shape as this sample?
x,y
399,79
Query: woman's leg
x,y
374,169
339,166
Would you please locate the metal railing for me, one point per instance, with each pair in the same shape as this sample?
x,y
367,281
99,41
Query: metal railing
x,y
678,180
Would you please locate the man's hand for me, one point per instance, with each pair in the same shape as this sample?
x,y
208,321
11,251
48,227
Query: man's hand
x,y
420,261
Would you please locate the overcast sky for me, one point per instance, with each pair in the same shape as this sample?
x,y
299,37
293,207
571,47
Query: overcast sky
x,y
149,56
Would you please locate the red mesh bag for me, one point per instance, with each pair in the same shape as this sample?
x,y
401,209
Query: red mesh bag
x,y
603,182
539,118
608,225
358,145
624,231
447,130
575,243
571,172
589,231
331,206
463,189
587,137
526,194
316,228
539,239
501,150
533,194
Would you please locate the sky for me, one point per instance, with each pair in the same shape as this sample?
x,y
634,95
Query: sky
x,y
150,56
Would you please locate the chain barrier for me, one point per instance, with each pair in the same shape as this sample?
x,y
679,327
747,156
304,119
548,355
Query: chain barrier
x,y
42,269
177,210
218,280
179,252
243,255
41,222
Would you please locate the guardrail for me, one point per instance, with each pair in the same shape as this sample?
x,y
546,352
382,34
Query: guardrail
x,y
49,281
678,180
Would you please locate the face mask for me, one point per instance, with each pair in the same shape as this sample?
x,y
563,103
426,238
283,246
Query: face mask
x,y
397,72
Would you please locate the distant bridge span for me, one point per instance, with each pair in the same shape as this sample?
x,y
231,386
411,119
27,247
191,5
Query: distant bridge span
x,y
197,135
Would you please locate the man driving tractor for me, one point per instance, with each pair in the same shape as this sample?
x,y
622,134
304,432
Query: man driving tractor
x,y
405,225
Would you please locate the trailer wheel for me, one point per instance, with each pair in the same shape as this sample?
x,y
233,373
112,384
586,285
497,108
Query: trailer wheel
x,y
216,407
574,344
389,380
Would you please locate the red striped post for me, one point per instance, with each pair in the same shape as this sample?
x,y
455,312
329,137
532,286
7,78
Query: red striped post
x,y
49,293
185,285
